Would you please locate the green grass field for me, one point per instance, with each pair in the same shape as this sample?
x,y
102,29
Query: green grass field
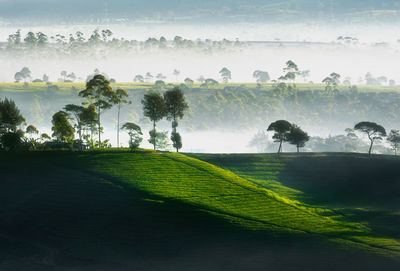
x,y
160,211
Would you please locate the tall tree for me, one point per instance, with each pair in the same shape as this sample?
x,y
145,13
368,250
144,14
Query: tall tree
x,y
281,129
76,110
122,94
176,74
99,92
394,140
175,105
297,137
331,83
89,122
226,74
154,109
372,130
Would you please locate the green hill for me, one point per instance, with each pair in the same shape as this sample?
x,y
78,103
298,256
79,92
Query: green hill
x,y
162,211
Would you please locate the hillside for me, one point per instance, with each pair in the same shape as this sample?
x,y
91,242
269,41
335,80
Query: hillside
x,y
227,106
160,211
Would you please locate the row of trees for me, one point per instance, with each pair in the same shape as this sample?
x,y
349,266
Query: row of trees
x,y
285,131
85,119
100,97
77,44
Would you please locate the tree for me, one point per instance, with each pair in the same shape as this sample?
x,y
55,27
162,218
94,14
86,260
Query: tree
x,y
291,70
154,109
176,74
32,130
44,137
226,74
261,76
11,141
89,121
282,129
175,106
121,100
209,82
138,79
297,137
372,130
24,74
10,116
394,140
31,40
64,75
148,77
99,92
76,110
160,76
62,128
189,81
331,83
134,133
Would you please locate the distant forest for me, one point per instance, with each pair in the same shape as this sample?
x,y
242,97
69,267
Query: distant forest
x,y
177,11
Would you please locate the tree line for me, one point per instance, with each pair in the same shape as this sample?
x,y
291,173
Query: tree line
x,y
291,133
85,119
77,44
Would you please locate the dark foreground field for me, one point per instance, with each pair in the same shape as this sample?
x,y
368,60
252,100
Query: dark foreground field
x,y
153,211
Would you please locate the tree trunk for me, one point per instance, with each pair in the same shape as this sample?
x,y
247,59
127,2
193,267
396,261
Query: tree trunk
x,y
370,147
298,150
155,135
99,128
119,109
280,148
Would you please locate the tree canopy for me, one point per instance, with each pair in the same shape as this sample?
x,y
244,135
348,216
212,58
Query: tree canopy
x,y
373,130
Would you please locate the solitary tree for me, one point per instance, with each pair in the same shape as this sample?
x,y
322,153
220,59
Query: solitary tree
x,y
297,137
176,74
291,70
261,76
134,133
138,79
394,140
226,74
122,94
372,130
62,128
154,109
99,92
281,129
189,81
175,106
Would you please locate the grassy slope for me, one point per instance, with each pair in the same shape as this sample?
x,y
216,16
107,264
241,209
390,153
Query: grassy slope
x,y
146,210
354,186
